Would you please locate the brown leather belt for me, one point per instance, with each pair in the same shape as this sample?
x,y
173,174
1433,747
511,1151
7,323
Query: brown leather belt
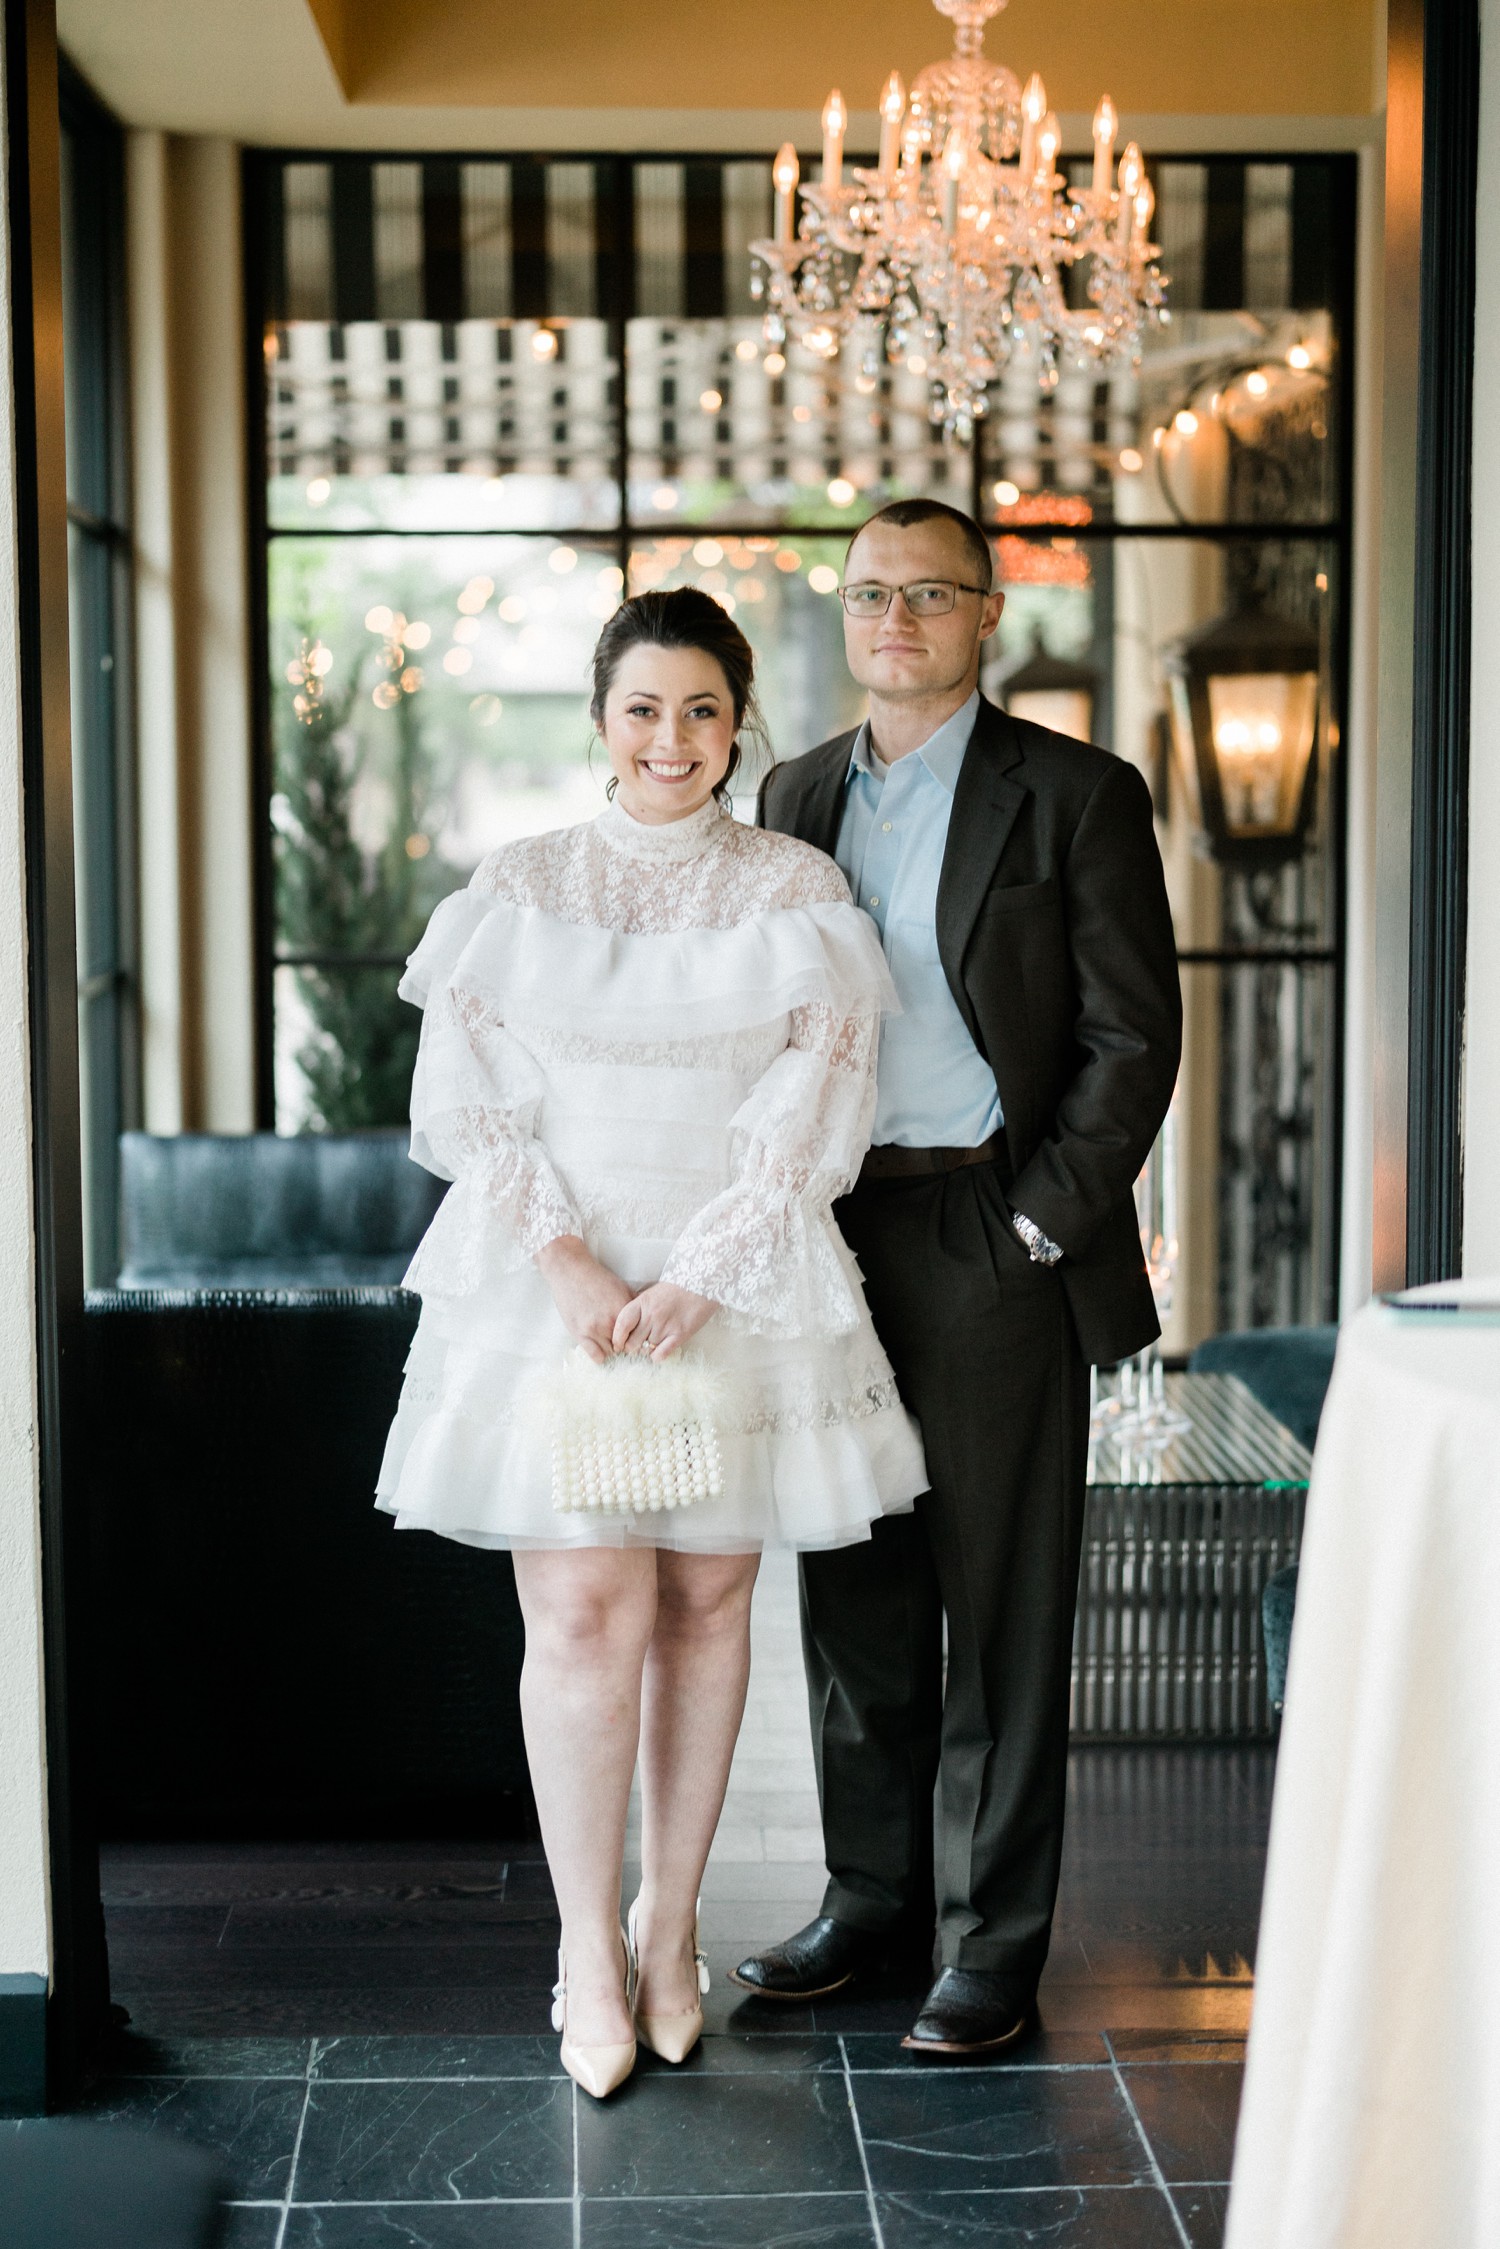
x,y
892,1162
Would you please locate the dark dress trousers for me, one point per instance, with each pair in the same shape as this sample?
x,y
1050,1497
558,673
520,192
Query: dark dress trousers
x,y
1056,939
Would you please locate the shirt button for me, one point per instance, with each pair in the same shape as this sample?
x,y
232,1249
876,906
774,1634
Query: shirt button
x,y
885,827
874,901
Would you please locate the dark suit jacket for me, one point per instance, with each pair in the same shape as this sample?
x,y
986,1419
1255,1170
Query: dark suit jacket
x,y
1055,935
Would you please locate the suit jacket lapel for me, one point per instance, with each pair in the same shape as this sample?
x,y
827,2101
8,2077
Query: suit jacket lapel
x,y
985,804
819,808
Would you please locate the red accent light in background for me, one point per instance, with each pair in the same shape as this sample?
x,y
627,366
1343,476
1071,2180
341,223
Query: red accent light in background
x,y
1047,507
1026,562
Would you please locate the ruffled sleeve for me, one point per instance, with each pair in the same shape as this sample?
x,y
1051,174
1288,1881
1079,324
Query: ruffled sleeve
x,y
761,1249
475,1104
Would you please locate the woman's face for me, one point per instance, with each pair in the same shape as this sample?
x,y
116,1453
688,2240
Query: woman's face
x,y
669,728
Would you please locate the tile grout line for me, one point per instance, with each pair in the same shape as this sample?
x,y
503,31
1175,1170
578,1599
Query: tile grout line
x,y
859,2141
555,2076
564,2202
577,2189
291,2175
1156,2170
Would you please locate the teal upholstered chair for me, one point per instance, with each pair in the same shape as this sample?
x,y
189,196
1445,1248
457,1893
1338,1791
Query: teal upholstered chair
x,y
1276,1606
1287,1369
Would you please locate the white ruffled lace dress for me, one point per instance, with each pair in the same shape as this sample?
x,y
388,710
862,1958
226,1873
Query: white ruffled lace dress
x,y
661,1039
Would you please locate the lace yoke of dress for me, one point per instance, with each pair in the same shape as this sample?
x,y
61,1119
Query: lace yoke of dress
x,y
707,871
704,987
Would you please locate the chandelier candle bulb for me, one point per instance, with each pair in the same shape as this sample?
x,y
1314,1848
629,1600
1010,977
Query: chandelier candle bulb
x,y
1143,207
785,173
953,172
1132,172
892,116
1033,110
835,125
1048,142
1106,126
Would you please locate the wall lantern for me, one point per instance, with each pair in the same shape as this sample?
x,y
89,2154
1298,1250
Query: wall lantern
x,y
1244,702
1050,691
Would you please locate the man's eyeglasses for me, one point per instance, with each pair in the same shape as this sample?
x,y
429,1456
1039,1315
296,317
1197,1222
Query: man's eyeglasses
x,y
926,597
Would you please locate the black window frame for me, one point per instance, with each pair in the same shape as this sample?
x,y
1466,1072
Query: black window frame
x,y
101,601
1323,263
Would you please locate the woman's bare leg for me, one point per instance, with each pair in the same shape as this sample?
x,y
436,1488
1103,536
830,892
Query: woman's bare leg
x,y
589,1617
697,1668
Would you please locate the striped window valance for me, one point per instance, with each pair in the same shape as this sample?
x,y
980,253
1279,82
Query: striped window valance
x,y
353,238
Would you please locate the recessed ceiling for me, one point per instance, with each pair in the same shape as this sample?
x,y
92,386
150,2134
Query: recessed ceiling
x,y
450,72
1266,55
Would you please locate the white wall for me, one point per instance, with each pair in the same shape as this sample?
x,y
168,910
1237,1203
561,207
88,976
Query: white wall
x,y
24,1946
1482,1050
192,609
162,937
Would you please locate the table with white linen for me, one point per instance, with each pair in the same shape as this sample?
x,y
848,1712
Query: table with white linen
x,y
1371,2113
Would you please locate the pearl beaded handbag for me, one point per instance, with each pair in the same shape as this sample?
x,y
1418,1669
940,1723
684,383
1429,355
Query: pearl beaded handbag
x,y
632,1437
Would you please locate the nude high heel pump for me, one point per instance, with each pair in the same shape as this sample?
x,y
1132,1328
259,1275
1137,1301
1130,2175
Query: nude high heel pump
x,y
598,2069
671,2037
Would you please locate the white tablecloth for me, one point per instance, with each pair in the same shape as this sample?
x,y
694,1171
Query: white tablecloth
x,y
1371,2117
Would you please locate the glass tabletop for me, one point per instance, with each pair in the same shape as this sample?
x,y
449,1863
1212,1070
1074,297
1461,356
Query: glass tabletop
x,y
1229,1440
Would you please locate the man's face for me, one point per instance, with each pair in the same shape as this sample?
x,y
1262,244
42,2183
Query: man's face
x,y
901,656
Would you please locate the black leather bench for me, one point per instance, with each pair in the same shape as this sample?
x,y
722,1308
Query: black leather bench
x,y
256,1210
272,1656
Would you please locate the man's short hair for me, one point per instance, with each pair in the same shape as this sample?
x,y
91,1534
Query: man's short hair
x,y
905,514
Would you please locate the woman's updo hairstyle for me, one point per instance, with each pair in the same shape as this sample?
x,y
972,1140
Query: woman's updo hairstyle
x,y
684,618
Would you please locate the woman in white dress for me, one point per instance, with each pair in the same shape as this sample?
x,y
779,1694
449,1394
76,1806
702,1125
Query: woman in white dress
x,y
647,1065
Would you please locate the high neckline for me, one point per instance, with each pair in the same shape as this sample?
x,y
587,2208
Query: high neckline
x,y
687,838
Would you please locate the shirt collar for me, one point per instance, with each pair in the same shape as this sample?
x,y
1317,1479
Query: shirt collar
x,y
942,753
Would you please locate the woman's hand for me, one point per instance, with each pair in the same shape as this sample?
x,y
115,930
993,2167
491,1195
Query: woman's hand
x,y
590,1299
660,1320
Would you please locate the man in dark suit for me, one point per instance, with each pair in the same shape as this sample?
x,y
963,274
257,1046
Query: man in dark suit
x,y
1016,882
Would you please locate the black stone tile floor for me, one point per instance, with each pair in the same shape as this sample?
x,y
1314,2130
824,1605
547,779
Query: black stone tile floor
x,y
361,2034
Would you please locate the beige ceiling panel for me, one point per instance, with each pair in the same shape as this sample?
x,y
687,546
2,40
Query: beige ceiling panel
x,y
1268,56
681,73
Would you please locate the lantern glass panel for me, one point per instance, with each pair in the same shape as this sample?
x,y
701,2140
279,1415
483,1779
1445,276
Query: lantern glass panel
x,y
1262,734
1067,710
1180,710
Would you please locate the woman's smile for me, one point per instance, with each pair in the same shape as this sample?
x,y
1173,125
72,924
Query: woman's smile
x,y
669,726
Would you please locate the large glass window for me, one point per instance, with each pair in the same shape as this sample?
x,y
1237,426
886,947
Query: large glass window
x,y
99,638
500,393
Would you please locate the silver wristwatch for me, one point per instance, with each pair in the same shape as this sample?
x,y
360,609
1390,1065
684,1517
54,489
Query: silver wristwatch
x,y
1040,1250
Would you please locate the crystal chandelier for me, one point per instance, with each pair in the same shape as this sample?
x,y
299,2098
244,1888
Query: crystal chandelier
x,y
964,249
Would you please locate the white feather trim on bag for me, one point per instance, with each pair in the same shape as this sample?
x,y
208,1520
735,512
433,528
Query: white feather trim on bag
x,y
633,1436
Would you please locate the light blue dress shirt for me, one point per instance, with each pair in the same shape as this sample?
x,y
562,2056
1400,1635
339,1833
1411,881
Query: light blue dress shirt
x,y
934,1088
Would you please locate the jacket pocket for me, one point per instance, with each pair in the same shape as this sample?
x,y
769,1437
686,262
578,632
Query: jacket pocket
x,y
1010,1260
1024,897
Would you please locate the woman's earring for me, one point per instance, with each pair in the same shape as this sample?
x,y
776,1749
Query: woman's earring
x,y
610,787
